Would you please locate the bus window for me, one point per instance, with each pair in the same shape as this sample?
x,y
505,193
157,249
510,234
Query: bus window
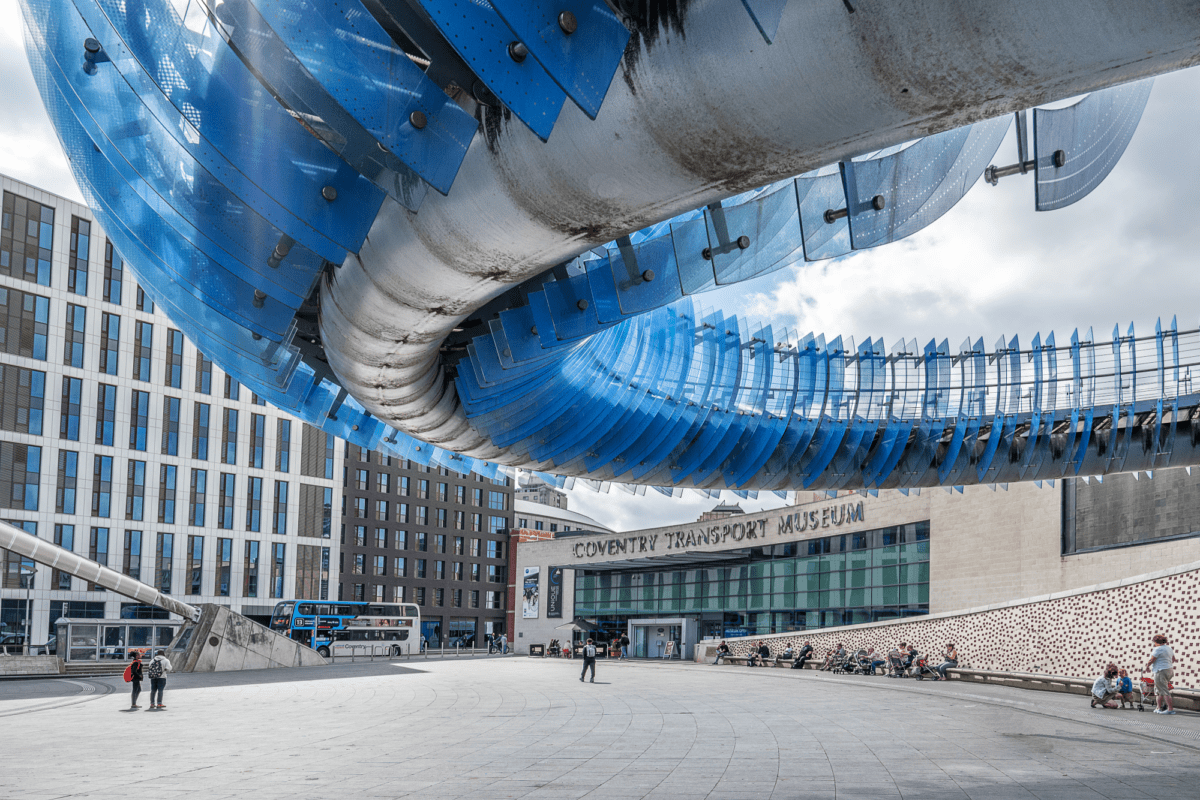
x,y
306,609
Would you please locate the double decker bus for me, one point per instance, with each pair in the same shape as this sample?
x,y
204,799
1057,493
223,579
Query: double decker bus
x,y
350,628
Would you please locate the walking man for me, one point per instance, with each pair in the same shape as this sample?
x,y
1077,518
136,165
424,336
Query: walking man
x,y
504,644
158,669
1161,664
133,675
625,646
589,660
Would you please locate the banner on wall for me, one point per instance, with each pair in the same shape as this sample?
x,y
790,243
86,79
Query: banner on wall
x,y
529,603
554,601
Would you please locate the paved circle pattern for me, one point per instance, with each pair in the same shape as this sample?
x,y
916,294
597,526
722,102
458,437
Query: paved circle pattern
x,y
527,728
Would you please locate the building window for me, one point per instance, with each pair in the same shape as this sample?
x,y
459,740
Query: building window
x,y
170,426
229,437
135,490
198,491
497,524
98,552
402,486
474,595
26,240
258,439
68,475
227,492
379,565
439,570
361,478
114,274
475,548
360,507
162,568
203,373
131,562
281,502
110,343
74,336
494,600
102,486
475,573
224,566
278,553
400,540
495,549
144,303
64,537
477,497
494,574
402,512
440,517
254,504
195,564
439,543
421,568
422,541
233,389
459,548
439,596
441,492
139,419
456,571
250,571
22,400
143,350
477,522
422,515
456,595
283,445
522,523
360,535
68,423
383,482
173,374
77,262
24,324
460,495
422,489
496,501
400,567
381,510
460,521
200,412
166,494
381,538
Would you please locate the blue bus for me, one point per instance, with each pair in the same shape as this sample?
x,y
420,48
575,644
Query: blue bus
x,y
350,628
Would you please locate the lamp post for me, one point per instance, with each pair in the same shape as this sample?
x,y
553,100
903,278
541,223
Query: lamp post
x,y
28,572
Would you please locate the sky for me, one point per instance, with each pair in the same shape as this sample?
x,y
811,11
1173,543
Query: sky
x,y
991,267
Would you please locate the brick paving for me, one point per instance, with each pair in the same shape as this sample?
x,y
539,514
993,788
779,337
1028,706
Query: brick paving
x,y
527,728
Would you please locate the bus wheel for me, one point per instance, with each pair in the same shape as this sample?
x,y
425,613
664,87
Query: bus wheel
x,y
395,650
323,651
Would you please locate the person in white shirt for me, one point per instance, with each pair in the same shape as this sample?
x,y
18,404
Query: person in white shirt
x,y
1162,664
157,669
1104,690
589,660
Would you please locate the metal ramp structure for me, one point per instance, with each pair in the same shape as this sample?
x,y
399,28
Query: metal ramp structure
x,y
212,639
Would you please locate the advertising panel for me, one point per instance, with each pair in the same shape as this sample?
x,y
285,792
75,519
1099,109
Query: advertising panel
x,y
529,603
554,602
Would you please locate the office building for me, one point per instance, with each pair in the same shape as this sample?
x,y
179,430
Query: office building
x,y
122,442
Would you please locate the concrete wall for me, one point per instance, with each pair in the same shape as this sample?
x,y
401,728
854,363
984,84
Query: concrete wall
x,y
225,641
1069,633
1123,509
31,665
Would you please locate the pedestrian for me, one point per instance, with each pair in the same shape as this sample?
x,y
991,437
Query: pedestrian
x,y
1125,689
1162,665
158,669
625,646
504,644
950,660
804,655
589,660
1104,690
722,652
133,675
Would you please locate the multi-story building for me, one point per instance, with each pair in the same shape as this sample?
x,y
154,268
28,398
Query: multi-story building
x,y
429,536
532,489
122,442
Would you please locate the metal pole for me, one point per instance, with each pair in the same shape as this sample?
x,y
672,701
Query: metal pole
x,y
28,603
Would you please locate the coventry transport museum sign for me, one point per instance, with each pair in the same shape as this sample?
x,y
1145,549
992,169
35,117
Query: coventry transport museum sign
x,y
817,519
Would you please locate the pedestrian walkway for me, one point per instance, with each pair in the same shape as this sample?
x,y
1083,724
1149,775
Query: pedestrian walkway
x,y
527,728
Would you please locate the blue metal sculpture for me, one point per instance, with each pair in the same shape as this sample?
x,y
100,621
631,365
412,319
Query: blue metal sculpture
x,y
264,167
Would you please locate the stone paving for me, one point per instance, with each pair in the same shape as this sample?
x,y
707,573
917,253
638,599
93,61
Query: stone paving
x,y
527,728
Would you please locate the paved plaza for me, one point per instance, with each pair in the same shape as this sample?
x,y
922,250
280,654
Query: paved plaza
x,y
527,728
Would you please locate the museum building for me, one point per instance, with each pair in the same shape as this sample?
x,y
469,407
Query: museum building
x,y
849,560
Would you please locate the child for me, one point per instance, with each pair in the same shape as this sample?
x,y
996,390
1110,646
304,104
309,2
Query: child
x,y
1125,689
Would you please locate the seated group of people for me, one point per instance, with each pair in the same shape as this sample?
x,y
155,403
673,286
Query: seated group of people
x,y
901,661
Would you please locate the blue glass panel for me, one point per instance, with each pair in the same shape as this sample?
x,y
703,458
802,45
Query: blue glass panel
x,y
689,239
634,294
766,15
1092,134
481,38
771,224
582,61
816,193
358,65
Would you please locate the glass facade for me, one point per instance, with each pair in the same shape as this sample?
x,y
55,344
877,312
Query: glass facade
x,y
815,583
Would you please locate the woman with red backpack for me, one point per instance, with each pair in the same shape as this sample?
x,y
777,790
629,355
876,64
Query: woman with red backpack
x,y
133,674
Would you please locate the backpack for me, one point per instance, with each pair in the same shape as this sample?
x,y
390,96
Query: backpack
x,y
156,669
129,673
590,651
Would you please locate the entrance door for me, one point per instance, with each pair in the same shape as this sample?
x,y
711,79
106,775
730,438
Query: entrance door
x,y
639,641
658,641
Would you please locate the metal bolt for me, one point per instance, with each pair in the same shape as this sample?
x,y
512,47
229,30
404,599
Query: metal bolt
x,y
533,330
259,298
256,336
1060,158
329,193
706,254
517,51
582,305
482,94
568,23
417,118
743,242
878,203
648,275
91,45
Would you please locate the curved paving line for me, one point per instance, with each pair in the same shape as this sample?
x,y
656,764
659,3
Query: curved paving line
x,y
95,690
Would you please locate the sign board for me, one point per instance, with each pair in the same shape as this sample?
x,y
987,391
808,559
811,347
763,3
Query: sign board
x,y
530,595
554,599
670,648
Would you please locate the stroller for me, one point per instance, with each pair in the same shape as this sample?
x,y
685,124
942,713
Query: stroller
x,y
1147,693
921,669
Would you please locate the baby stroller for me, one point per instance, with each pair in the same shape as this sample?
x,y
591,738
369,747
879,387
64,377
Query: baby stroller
x,y
1148,695
921,669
